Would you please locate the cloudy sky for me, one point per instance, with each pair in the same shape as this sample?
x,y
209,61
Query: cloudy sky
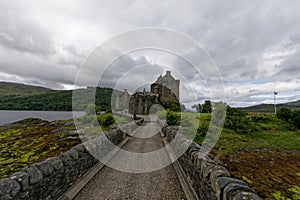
x,y
255,44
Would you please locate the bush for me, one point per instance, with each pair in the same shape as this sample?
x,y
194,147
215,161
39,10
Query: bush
x,y
175,107
296,118
238,121
173,118
203,128
235,112
292,117
241,125
284,114
107,121
260,118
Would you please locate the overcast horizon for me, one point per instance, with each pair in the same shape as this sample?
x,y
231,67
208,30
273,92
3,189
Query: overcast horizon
x,y
254,44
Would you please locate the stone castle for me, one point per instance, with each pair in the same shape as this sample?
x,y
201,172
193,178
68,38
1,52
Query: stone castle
x,y
165,89
122,101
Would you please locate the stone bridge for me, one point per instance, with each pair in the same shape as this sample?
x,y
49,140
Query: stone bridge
x,y
76,174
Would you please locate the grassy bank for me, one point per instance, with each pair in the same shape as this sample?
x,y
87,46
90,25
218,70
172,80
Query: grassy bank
x,y
30,141
272,134
34,140
267,157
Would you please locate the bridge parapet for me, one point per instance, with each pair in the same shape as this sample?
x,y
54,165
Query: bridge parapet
x,y
208,179
49,179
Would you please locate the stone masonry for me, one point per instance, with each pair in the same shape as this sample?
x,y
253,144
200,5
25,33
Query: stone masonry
x,y
49,179
165,89
208,179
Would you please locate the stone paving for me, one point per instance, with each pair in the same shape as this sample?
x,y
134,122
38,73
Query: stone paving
x,y
112,184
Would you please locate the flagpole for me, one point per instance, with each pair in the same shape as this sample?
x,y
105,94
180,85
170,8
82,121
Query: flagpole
x,y
275,93
275,102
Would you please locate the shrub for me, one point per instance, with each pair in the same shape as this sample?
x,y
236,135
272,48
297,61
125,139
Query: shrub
x,y
241,125
235,112
171,106
260,118
173,118
203,128
284,114
292,117
296,118
238,121
107,121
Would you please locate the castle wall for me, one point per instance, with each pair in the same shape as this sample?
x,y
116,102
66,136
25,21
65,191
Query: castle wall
x,y
122,101
165,89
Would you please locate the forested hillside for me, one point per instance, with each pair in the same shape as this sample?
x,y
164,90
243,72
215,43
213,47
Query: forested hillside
x,y
18,89
53,100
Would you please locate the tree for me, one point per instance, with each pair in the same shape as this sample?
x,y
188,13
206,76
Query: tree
x,y
207,107
197,107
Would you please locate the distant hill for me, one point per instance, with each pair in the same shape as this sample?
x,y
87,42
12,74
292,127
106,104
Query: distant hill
x,y
269,108
18,89
25,97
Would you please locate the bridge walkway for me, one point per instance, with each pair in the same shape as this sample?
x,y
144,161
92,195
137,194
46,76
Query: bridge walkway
x,y
109,183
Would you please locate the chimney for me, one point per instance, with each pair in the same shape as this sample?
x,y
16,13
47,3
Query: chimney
x,y
125,90
168,73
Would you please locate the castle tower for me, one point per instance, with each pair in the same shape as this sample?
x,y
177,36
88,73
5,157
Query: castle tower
x,y
167,88
122,101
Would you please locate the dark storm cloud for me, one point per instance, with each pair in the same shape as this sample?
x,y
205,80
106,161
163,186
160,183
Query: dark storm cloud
x,y
23,34
254,42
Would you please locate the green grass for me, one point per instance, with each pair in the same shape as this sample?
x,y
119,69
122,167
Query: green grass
x,y
272,134
29,141
229,141
195,117
98,126
296,194
121,120
25,144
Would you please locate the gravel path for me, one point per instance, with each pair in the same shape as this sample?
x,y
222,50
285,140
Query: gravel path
x,y
112,184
